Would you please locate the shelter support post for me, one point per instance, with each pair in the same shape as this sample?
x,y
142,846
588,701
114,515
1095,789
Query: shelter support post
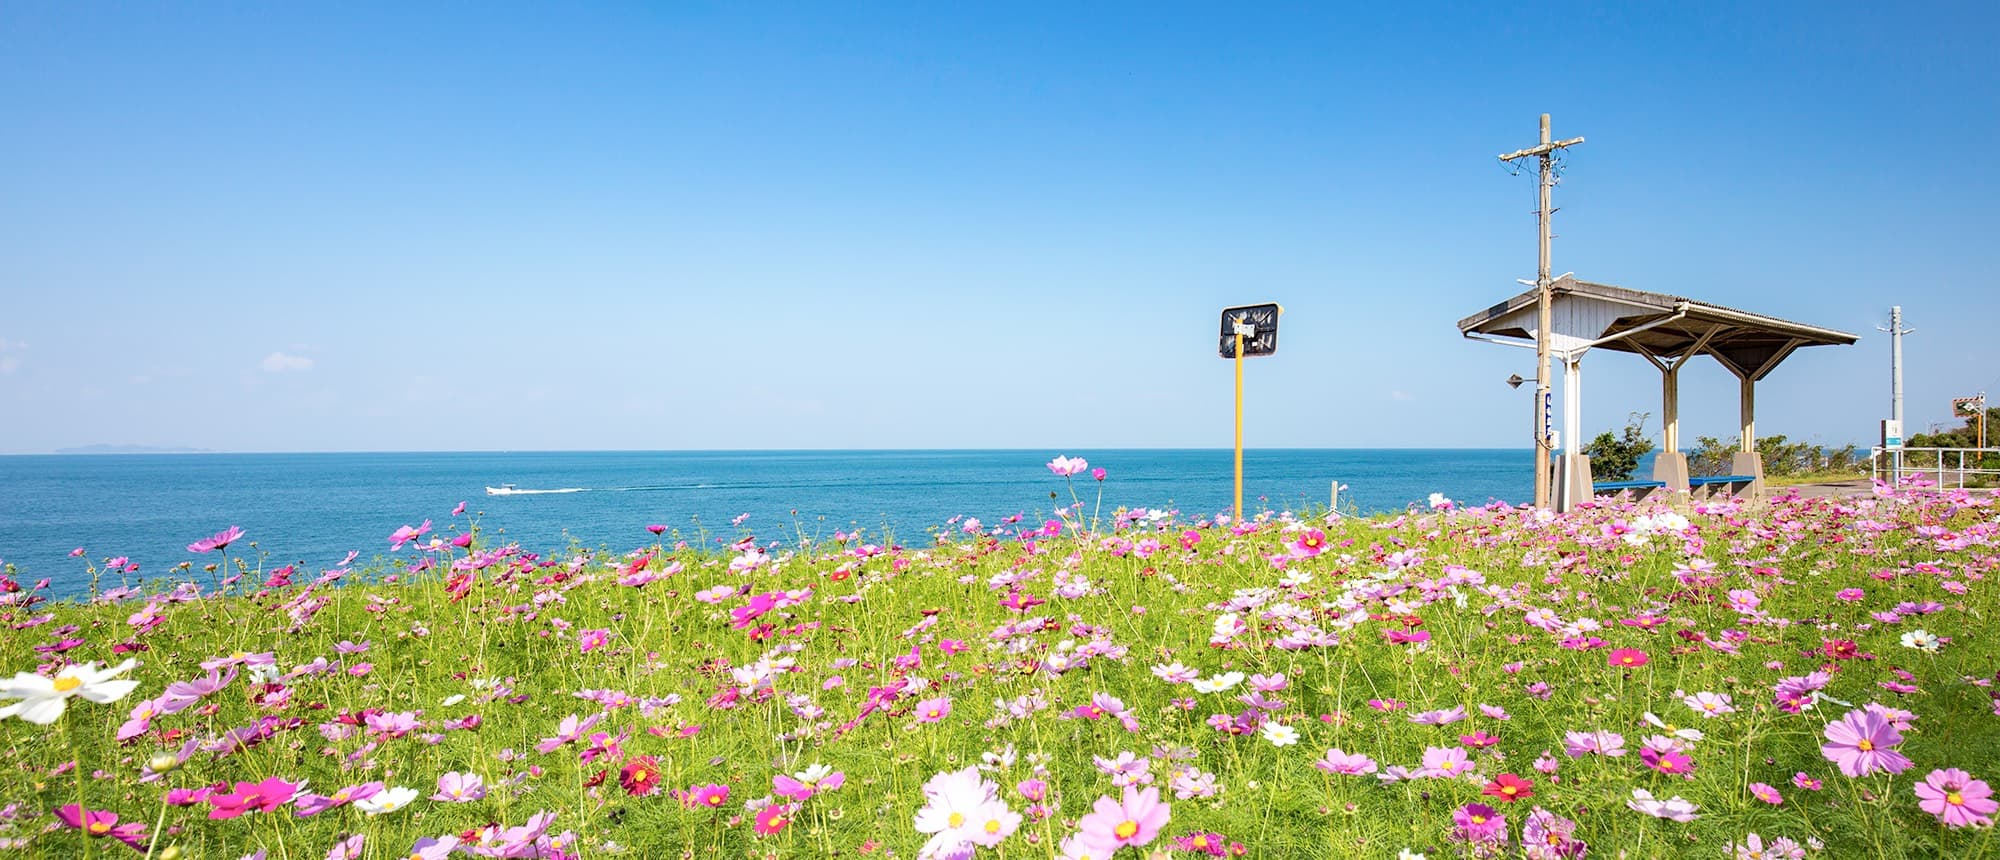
x,y
1573,470
1747,461
1670,466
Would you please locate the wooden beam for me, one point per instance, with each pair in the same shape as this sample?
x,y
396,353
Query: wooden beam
x,y
1783,352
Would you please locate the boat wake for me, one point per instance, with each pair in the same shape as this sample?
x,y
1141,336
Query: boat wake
x,y
511,490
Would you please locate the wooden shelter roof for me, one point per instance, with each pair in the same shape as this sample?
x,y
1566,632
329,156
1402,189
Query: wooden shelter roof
x,y
1655,325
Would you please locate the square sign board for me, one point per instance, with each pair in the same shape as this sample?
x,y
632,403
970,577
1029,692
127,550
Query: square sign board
x,y
1260,334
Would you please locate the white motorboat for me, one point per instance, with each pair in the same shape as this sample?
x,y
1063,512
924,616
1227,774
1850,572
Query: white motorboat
x,y
511,490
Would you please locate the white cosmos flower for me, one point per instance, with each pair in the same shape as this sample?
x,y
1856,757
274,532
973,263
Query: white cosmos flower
x,y
1280,735
1218,683
1922,640
43,699
1690,735
387,801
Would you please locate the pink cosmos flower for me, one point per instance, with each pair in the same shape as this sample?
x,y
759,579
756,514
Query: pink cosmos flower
x,y
1446,762
497,841
570,730
262,796
456,787
1479,823
405,534
1065,466
347,849
314,804
933,710
1670,761
591,640
818,779
772,819
1957,799
100,823
1137,820
1579,744
1766,793
219,540
1627,658
711,796
1862,743
440,848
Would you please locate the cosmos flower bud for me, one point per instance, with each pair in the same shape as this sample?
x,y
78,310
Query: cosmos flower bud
x,y
163,763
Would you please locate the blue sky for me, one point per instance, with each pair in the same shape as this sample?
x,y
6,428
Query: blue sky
x,y
664,226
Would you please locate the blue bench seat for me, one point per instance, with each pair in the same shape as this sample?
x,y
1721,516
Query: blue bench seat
x,y
1721,479
1615,486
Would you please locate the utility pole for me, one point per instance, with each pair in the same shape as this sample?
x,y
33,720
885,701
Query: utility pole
x,y
1896,332
1544,289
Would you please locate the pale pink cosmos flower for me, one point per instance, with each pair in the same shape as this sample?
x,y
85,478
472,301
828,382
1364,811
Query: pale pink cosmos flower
x,y
1135,820
1444,762
1862,743
1957,799
456,787
406,534
1066,466
219,540
933,710
1351,764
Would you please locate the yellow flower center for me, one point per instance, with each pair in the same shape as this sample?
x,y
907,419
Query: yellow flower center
x,y
1509,790
639,775
993,825
340,796
1448,765
99,828
1126,829
715,800
1865,745
956,820
1479,819
239,655
1954,798
66,684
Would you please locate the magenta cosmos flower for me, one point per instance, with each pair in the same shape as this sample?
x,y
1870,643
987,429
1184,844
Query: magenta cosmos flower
x,y
1135,821
1956,798
1627,658
1862,743
262,796
100,823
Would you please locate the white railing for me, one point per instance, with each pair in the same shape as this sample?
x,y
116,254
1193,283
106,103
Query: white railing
x,y
1949,467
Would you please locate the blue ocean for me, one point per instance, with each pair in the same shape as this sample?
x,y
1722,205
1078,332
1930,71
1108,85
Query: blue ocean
x,y
312,509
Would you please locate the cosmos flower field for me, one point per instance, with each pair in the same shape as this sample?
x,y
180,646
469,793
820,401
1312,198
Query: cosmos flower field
x,y
1777,679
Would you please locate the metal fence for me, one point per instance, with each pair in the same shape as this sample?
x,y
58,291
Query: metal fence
x,y
1948,467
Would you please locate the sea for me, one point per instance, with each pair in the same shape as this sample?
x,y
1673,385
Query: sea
x,y
313,509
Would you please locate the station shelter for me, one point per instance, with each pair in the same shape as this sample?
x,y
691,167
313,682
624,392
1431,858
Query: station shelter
x,y
1667,331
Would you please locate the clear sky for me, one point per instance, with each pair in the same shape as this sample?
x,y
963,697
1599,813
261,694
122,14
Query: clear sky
x,y
282,227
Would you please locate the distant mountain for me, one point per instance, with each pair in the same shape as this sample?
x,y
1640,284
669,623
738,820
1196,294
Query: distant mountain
x,y
133,449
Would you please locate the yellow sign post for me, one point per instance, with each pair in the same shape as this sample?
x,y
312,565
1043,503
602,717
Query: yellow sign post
x,y
1247,331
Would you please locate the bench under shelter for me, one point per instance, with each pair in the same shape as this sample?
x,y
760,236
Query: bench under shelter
x,y
1667,331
